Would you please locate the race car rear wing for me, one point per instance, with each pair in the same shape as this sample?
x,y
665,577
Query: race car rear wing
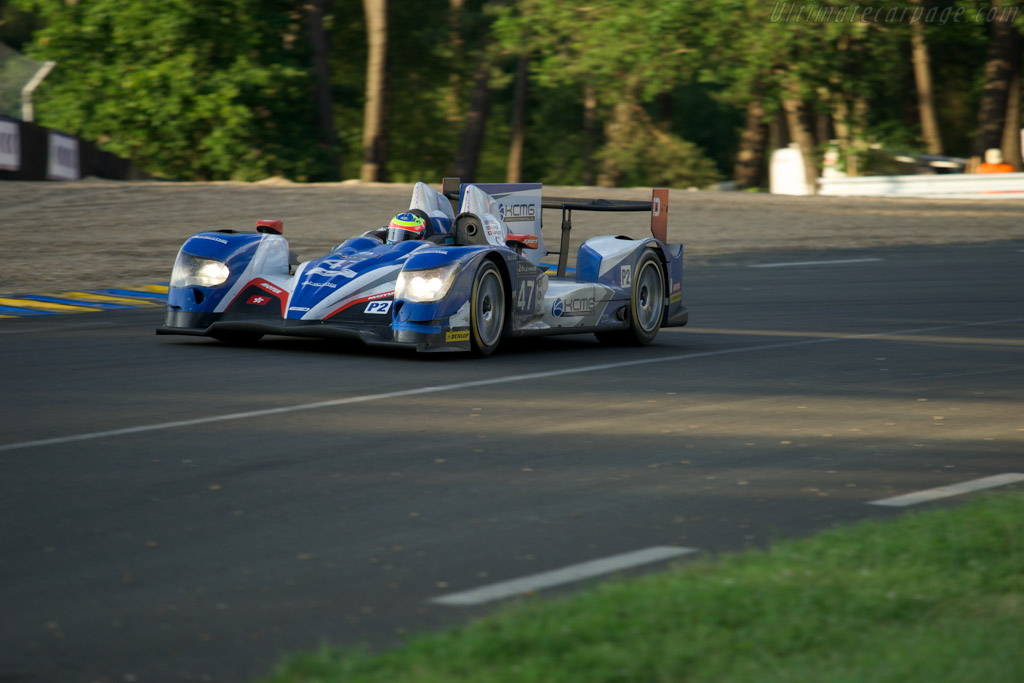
x,y
658,206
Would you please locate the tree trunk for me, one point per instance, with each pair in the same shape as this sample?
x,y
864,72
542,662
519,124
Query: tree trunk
x,y
824,128
664,103
841,119
476,121
375,114
589,133
750,158
1011,129
925,93
778,132
315,11
514,173
453,98
992,110
617,129
795,118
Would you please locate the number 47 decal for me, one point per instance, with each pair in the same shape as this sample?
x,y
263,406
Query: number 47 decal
x,y
524,301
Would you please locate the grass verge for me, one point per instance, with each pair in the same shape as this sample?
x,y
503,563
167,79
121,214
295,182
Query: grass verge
x,y
935,596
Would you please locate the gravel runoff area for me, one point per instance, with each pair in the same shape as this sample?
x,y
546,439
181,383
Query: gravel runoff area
x,y
57,236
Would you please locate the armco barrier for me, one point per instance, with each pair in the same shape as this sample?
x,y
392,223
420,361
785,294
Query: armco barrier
x,y
953,185
31,152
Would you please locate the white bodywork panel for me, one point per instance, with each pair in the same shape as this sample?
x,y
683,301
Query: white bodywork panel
x,y
435,204
269,262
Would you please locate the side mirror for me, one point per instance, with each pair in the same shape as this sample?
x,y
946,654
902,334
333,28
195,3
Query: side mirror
x,y
273,227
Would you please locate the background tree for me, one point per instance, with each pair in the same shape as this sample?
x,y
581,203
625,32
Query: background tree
x,y
622,91
194,90
318,38
1011,144
376,114
514,172
618,48
1003,53
923,79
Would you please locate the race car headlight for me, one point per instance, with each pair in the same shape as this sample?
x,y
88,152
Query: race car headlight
x,y
192,271
431,284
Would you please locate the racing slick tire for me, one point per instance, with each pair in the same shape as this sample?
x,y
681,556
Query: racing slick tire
x,y
236,338
646,305
487,309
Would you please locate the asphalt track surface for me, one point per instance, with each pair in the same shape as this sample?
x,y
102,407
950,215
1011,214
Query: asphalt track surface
x,y
174,509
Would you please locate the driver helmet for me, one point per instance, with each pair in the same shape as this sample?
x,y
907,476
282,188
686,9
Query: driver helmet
x,y
406,226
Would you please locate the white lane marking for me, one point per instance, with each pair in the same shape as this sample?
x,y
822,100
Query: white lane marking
x,y
557,577
814,263
949,491
508,379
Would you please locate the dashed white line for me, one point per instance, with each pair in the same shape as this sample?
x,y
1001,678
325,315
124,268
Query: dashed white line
x,y
951,490
505,379
557,577
814,263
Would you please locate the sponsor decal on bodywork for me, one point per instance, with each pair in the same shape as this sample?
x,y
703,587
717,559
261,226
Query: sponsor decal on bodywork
x,y
332,268
456,336
573,307
514,213
210,237
492,226
269,287
378,307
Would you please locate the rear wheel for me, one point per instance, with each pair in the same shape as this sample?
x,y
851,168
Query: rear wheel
x,y
487,316
646,305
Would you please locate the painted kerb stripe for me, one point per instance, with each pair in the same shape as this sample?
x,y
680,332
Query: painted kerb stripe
x,y
25,305
950,491
557,577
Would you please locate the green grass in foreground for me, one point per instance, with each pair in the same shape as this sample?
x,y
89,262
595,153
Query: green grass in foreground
x,y
936,596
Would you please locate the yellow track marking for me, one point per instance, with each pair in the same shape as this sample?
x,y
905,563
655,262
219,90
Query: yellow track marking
x,y
45,306
158,289
104,298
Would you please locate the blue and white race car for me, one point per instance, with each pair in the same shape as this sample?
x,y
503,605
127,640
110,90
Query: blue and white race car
x,y
466,281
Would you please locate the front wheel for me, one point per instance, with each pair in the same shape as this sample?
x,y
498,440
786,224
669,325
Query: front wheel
x,y
487,316
646,305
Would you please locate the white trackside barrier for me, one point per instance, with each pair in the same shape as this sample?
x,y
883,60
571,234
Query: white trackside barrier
x,y
953,185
